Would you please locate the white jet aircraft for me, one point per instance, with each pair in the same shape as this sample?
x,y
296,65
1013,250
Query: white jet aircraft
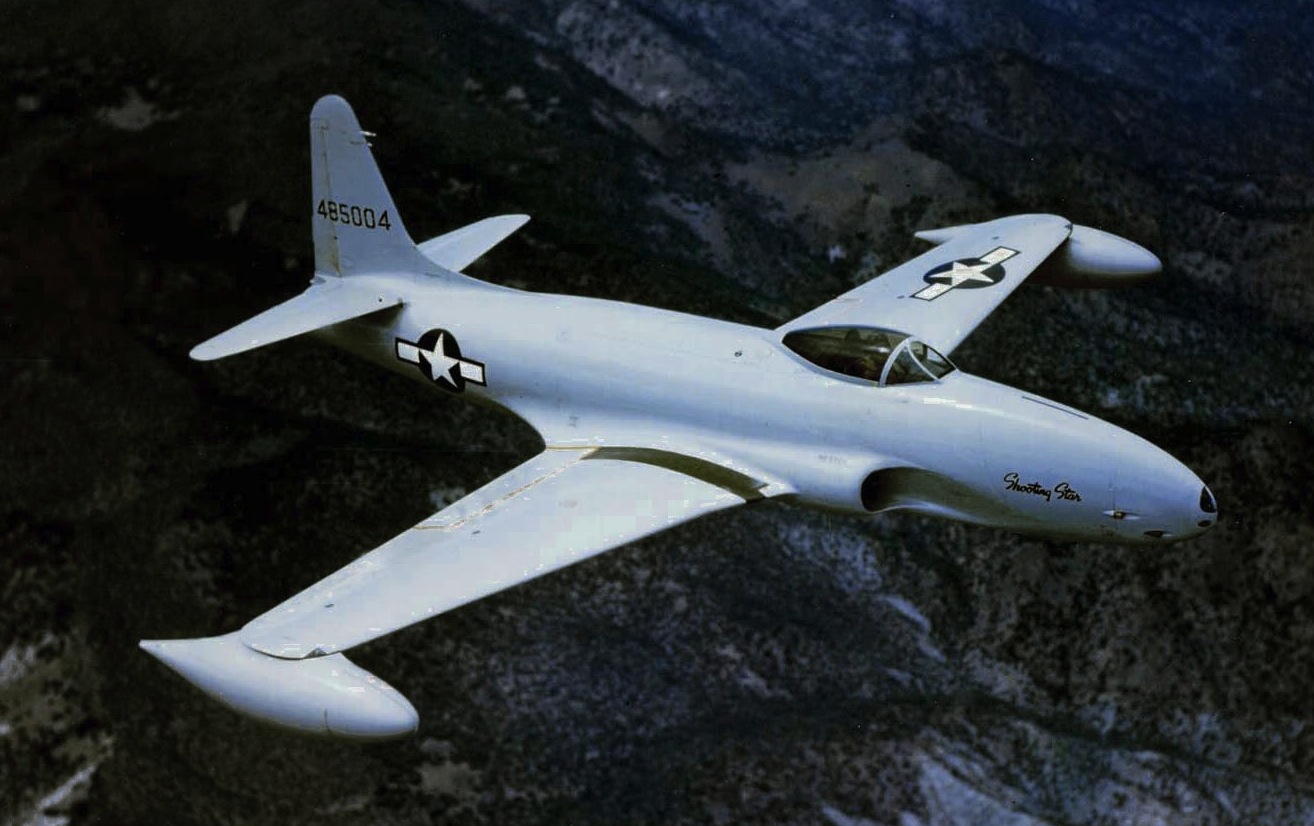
x,y
651,418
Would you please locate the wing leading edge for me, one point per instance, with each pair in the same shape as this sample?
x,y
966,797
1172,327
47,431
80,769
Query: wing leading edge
x,y
560,507
943,294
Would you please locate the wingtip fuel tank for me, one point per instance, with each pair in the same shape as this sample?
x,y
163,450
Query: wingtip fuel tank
x,y
326,696
1089,258
1092,258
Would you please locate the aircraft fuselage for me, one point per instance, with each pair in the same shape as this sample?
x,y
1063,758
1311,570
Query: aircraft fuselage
x,y
731,395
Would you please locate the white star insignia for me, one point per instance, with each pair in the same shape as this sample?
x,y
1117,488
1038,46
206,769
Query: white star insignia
x,y
967,272
440,364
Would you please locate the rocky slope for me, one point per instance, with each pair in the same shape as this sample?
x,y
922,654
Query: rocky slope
x,y
741,160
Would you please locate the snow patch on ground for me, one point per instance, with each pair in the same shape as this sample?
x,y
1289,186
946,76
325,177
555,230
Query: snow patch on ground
x,y
846,552
134,114
443,496
952,801
18,661
51,810
838,818
908,611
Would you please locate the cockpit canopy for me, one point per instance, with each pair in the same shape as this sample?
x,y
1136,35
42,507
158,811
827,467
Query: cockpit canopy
x,y
869,353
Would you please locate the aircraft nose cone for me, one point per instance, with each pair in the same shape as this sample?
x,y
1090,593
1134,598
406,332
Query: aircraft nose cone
x,y
1160,499
1189,513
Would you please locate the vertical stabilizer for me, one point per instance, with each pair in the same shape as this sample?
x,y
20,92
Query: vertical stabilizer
x,y
356,225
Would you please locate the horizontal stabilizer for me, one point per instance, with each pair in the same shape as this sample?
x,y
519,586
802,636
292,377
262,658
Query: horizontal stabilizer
x,y
460,248
325,303
329,696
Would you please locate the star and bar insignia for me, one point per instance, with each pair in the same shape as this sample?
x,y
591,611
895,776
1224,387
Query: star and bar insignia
x,y
966,273
439,357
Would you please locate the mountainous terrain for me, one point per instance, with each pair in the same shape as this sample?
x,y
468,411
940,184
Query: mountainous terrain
x,y
741,160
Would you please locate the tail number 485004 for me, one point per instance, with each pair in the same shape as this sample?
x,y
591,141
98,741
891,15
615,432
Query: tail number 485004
x,y
353,215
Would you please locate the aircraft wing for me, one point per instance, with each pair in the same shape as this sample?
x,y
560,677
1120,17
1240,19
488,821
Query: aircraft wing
x,y
943,294
560,507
